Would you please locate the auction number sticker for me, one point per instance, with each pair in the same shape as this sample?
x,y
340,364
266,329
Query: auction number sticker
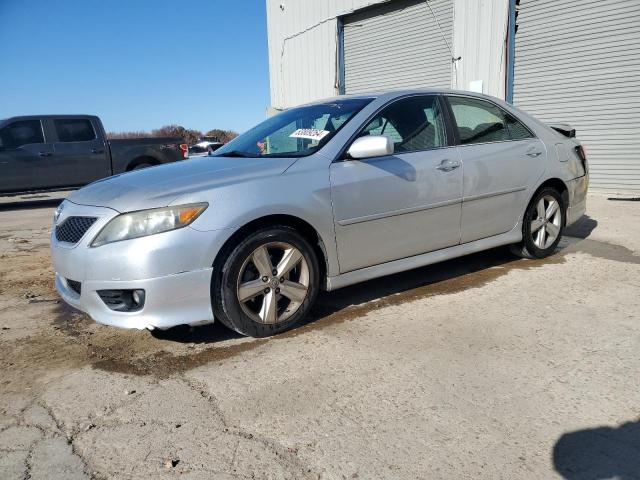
x,y
310,133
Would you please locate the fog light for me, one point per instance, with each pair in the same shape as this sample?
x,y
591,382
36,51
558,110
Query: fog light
x,y
138,296
123,300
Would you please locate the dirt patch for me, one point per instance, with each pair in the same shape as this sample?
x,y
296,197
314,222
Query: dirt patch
x,y
72,339
24,273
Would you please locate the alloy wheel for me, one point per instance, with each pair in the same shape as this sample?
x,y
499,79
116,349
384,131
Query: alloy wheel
x,y
545,228
273,282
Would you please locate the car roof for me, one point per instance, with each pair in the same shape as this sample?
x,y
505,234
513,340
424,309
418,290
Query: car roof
x,y
391,94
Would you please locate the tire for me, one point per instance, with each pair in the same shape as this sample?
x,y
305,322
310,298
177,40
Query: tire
x,y
140,166
551,226
242,271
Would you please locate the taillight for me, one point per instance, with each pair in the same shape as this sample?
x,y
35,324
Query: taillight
x,y
582,154
184,148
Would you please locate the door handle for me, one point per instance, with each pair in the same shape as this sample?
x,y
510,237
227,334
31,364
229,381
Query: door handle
x,y
448,165
45,154
534,153
96,151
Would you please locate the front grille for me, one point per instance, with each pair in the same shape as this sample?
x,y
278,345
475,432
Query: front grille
x,y
75,286
73,228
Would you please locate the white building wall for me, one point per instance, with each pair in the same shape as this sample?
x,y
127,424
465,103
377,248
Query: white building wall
x,y
303,46
479,37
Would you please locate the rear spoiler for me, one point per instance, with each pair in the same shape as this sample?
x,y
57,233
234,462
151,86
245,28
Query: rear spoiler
x,y
564,128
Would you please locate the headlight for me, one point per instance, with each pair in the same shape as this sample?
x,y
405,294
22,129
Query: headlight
x,y
148,222
56,214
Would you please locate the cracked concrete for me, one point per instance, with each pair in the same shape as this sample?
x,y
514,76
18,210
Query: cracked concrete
x,y
483,367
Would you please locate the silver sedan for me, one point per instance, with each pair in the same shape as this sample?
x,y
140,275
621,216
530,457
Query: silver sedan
x,y
317,197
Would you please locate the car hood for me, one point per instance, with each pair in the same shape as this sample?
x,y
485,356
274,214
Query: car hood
x,y
162,185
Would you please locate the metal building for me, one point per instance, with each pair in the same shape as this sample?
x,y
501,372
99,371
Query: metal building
x,y
563,61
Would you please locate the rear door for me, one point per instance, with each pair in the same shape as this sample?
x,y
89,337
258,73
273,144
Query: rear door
x,y
501,160
25,158
80,152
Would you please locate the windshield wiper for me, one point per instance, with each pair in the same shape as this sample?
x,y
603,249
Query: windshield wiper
x,y
232,153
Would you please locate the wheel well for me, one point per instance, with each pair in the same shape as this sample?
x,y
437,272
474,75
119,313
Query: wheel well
x,y
304,228
141,160
557,185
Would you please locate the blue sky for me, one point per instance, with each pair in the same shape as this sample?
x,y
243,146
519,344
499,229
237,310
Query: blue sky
x,y
139,64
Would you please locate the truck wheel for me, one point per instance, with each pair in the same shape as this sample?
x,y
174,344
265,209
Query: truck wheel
x,y
267,283
140,166
543,224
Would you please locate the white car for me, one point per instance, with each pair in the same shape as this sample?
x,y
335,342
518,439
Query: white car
x,y
204,148
317,197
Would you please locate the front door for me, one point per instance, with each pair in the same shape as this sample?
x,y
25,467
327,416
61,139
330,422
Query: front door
x,y
405,204
501,159
25,159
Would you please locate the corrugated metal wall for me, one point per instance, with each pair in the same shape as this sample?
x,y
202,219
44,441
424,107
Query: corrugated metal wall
x,y
303,46
398,45
579,62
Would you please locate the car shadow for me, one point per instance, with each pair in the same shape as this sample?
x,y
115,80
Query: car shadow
x,y
215,332
31,203
582,228
599,453
395,166
449,276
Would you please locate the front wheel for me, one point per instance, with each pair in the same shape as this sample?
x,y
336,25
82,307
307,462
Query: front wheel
x,y
267,284
543,224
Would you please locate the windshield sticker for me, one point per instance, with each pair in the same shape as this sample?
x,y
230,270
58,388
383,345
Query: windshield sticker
x,y
310,133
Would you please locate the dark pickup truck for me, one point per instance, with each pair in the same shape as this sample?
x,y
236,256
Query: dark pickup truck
x,y
57,152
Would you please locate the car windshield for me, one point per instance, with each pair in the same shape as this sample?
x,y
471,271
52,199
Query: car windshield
x,y
297,132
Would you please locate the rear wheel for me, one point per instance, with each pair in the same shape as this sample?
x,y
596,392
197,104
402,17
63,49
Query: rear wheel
x,y
267,283
140,166
543,224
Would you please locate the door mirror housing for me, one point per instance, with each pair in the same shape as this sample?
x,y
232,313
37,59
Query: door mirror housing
x,y
370,146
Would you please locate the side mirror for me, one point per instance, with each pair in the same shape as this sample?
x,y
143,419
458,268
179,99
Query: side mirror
x,y
371,146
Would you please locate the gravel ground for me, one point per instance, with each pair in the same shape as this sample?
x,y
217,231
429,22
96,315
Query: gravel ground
x,y
481,367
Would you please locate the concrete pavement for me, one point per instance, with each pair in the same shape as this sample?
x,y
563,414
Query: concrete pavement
x,y
481,367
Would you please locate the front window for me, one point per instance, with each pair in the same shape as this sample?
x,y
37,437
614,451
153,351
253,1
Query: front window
x,y
295,133
22,132
412,124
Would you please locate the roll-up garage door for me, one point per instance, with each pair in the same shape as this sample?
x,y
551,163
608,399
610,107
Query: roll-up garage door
x,y
579,62
398,45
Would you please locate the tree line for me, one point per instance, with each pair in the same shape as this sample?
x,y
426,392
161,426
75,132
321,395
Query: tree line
x,y
190,136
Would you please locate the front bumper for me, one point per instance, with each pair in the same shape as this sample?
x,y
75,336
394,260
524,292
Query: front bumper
x,y
182,298
173,268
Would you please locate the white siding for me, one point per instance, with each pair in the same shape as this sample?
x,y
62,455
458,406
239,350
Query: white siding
x,y
398,45
480,32
303,48
579,62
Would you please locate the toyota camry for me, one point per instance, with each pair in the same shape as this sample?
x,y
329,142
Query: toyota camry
x,y
317,197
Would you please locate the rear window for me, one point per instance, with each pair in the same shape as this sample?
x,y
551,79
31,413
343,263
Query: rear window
x,y
480,121
74,130
22,132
